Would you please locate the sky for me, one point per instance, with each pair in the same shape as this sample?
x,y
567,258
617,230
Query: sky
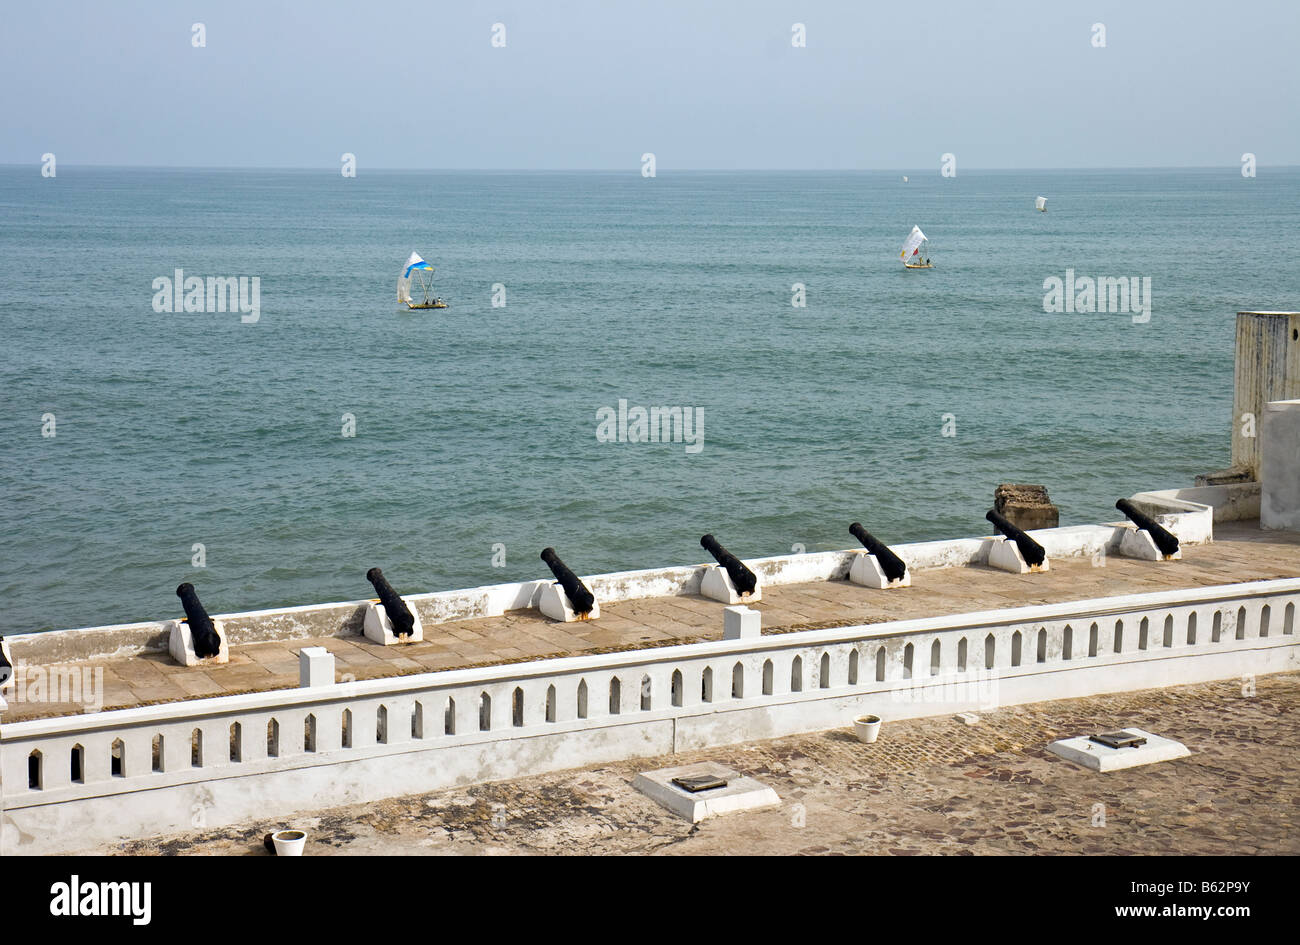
x,y
702,85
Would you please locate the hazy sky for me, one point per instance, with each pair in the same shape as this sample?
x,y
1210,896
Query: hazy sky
x,y
700,84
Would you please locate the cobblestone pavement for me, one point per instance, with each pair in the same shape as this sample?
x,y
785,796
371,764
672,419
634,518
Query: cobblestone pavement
x,y
1241,552
928,786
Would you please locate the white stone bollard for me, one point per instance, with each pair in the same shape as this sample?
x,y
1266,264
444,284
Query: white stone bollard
x,y
6,674
866,570
716,584
379,629
1138,543
554,603
180,644
1005,555
315,667
741,623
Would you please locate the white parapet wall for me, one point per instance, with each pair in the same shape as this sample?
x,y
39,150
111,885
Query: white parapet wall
x,y
161,769
1188,513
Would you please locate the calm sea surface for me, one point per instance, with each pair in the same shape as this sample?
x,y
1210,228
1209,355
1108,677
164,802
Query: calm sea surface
x,y
477,425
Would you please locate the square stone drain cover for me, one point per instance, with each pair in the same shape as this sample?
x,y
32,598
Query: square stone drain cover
x,y
708,789
1122,748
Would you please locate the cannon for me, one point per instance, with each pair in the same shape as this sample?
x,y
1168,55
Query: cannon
x,y
580,597
1165,540
744,579
893,566
398,614
203,633
6,667
1030,550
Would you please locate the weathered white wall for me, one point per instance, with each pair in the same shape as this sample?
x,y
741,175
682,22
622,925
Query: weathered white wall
x,y
1279,474
1267,368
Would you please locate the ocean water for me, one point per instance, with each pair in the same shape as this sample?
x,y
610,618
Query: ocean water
x,y
476,426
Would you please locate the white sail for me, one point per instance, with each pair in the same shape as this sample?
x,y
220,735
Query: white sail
x,y
1041,203
414,261
912,245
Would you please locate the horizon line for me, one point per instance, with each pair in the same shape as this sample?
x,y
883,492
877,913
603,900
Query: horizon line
x,y
633,169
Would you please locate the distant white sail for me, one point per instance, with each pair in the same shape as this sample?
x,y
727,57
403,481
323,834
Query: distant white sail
x,y
1041,203
404,280
912,246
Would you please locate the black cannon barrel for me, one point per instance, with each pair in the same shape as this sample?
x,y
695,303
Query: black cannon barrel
x,y
1030,550
743,578
6,667
399,615
890,563
202,632
579,596
1166,541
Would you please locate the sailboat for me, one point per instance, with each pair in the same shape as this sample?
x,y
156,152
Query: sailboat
x,y
1041,203
911,254
423,273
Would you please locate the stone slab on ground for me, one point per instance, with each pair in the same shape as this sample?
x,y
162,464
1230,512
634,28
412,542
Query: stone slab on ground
x,y
1082,750
739,793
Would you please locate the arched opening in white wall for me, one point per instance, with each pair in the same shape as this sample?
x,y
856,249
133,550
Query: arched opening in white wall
x,y
273,739
582,698
677,688
1241,623
1167,637
908,652
1118,645
34,770
517,707
853,666
881,663
116,761
78,764
196,748
1216,627
1041,649
158,753
990,651
615,695
417,720
1144,632
550,703
309,732
1288,620
962,648
1191,629
738,681
935,654
1264,614
1067,642
646,693
706,684
824,671
484,712
1093,642
381,725
1015,648
236,741
345,733
796,674
767,677
449,718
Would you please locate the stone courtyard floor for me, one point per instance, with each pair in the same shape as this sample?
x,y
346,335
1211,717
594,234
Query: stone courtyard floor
x,y
928,786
